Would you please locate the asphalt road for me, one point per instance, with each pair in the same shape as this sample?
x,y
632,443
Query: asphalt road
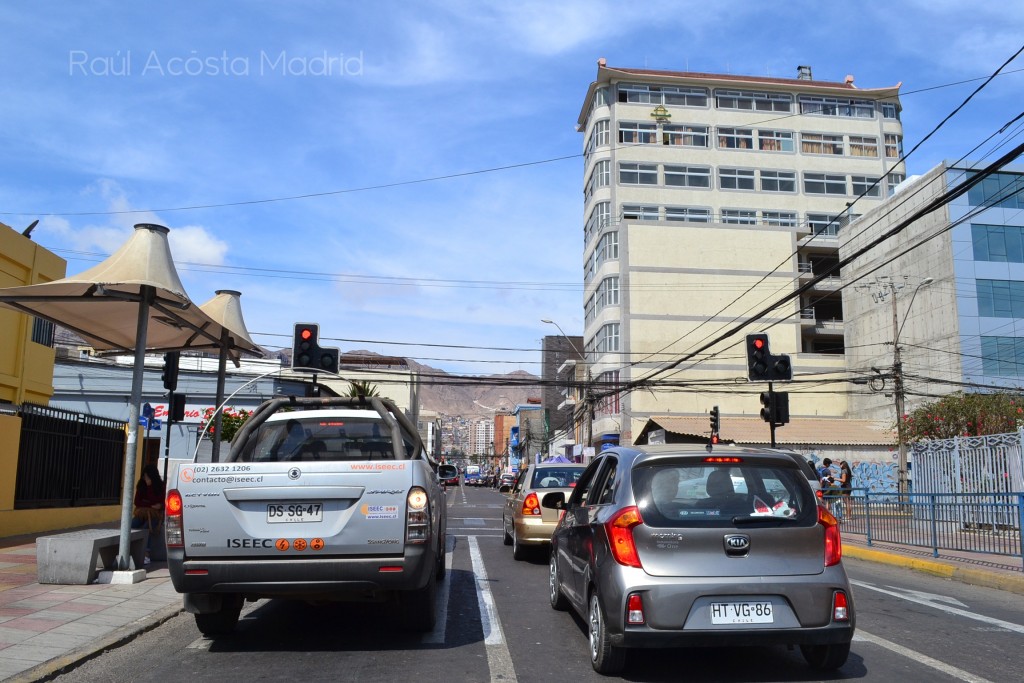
x,y
498,627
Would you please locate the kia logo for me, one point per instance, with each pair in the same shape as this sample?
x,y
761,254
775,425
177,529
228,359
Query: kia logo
x,y
294,473
735,542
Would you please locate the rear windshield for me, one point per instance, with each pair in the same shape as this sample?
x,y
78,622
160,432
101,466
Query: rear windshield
x,y
677,495
555,477
313,439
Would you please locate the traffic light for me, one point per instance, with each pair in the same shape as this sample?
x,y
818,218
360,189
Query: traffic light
x,y
767,406
170,373
762,366
716,422
176,407
775,407
307,354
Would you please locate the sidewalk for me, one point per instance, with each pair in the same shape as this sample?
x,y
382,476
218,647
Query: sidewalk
x,y
47,629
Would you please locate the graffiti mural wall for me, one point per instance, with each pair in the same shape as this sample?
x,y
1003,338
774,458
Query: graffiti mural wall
x,y
874,475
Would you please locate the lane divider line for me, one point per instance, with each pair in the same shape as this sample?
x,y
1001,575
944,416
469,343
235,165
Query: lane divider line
x,y
1010,626
947,669
499,660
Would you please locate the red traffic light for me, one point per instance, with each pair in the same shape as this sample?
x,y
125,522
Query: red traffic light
x,y
758,343
306,333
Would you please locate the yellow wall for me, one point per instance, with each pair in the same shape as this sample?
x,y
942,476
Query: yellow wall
x,y
17,522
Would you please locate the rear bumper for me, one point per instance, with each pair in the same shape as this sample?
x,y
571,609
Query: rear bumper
x,y
329,578
641,637
534,531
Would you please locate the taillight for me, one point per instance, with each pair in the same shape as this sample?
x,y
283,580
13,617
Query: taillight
x,y
417,518
833,543
531,505
635,609
620,536
840,609
173,525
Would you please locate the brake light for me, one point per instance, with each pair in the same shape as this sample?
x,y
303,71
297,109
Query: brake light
x,y
174,528
620,536
840,608
635,609
723,458
833,543
531,505
417,516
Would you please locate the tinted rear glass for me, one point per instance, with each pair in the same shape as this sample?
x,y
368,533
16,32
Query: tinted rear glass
x,y
555,477
312,439
679,495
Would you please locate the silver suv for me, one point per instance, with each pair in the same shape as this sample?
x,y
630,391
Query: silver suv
x,y
319,499
677,546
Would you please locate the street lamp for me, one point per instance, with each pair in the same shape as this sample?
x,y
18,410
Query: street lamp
x,y
897,372
588,405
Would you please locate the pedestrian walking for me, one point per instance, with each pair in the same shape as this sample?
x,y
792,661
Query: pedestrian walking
x,y
846,486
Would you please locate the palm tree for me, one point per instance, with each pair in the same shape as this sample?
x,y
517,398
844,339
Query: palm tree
x,y
362,389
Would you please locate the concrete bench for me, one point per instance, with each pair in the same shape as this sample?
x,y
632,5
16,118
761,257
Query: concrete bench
x,y
72,558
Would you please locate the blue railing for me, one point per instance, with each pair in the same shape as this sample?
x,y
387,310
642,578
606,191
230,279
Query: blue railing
x,y
969,522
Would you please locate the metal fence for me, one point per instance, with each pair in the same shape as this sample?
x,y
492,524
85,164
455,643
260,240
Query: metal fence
x,y
68,459
970,522
993,463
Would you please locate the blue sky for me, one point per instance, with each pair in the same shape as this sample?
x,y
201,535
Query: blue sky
x,y
102,111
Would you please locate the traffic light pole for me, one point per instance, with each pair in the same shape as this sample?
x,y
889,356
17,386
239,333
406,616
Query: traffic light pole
x,y
771,402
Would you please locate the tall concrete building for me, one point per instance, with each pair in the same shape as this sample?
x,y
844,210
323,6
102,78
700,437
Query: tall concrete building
x,y
707,196
949,289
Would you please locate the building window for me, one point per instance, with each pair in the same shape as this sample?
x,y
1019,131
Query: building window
x,y
736,178
893,146
42,332
735,138
599,177
775,141
890,111
819,143
687,214
892,180
654,94
607,293
688,176
824,183
1005,190
754,101
866,185
607,340
778,181
599,219
1000,298
1002,356
739,216
638,133
837,106
786,219
686,136
608,383
599,136
607,250
638,174
863,146
823,224
639,213
1000,243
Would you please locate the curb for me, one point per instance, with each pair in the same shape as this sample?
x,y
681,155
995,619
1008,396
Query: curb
x,y
61,665
974,577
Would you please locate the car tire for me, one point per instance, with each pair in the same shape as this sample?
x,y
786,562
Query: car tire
x,y
826,657
506,536
519,551
223,621
419,612
442,565
555,596
604,657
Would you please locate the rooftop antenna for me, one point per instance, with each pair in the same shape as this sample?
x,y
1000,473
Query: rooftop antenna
x,y
27,232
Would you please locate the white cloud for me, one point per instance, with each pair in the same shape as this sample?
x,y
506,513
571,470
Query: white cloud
x,y
195,244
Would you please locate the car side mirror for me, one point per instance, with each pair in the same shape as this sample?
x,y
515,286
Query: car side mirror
x,y
447,471
554,500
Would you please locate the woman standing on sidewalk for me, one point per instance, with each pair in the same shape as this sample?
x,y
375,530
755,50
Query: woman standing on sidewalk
x,y
845,487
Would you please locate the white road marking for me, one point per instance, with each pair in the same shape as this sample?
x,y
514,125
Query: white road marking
x,y
1010,626
201,643
947,669
499,660
437,636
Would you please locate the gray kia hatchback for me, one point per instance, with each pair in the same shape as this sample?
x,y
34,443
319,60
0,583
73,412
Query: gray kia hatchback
x,y
674,546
